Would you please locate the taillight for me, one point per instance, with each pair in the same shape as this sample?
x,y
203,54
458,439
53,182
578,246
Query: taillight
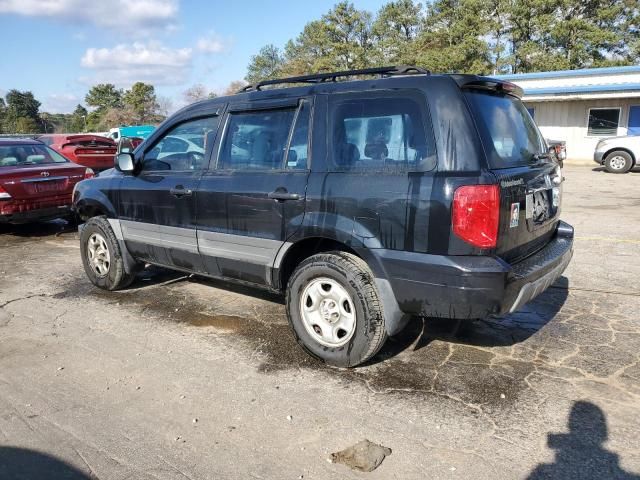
x,y
88,173
476,214
4,195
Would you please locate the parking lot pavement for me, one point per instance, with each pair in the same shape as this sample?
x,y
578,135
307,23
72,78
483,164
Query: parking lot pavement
x,y
181,377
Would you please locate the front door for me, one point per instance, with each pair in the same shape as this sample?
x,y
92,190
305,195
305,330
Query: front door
x,y
252,199
157,206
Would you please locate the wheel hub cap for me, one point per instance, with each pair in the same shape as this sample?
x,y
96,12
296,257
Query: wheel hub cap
x,y
327,312
98,255
618,162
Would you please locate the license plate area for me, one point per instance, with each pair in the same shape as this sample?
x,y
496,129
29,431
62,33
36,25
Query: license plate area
x,y
542,206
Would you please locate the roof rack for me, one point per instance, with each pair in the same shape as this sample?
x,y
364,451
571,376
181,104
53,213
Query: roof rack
x,y
333,76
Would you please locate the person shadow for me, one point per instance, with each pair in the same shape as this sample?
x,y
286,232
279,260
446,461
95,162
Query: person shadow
x,y
24,464
580,453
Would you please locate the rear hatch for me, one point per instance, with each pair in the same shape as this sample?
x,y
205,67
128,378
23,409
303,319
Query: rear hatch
x,y
530,182
35,172
90,151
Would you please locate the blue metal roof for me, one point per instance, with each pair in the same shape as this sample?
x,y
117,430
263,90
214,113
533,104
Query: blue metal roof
x,y
570,73
611,87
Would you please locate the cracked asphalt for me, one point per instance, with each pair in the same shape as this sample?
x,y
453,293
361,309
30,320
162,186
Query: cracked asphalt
x,y
181,377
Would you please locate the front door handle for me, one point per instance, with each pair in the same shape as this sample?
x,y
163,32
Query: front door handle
x,y
179,191
282,195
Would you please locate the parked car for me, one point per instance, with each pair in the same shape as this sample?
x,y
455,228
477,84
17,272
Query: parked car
x,y
93,151
365,202
558,150
36,182
618,154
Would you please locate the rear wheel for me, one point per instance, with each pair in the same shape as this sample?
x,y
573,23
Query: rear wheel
x,y
618,162
334,309
101,256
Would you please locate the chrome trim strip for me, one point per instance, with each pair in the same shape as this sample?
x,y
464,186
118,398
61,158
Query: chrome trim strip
x,y
42,179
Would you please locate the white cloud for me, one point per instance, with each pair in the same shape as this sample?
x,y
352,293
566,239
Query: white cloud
x,y
60,103
212,43
149,62
137,17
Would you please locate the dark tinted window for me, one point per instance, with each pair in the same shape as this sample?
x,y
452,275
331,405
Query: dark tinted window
x,y
381,133
603,121
24,155
183,147
509,134
256,140
298,156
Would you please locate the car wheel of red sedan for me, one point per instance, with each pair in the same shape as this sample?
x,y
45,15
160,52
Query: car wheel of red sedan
x,y
101,256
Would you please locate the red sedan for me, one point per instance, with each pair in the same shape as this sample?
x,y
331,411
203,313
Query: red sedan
x,y
92,151
36,182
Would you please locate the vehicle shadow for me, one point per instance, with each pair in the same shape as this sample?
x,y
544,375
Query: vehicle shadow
x,y
21,463
635,169
499,331
38,229
580,452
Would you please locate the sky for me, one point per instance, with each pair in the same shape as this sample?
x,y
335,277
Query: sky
x,y
59,48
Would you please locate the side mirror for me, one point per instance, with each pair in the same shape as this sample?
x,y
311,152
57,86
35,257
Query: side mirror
x,y
124,162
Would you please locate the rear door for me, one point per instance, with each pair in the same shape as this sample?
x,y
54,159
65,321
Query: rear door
x,y
253,197
530,182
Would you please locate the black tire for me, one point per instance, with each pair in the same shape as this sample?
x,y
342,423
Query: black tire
x,y
116,278
613,163
354,276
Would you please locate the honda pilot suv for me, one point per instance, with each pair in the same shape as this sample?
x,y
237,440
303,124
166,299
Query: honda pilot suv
x,y
367,197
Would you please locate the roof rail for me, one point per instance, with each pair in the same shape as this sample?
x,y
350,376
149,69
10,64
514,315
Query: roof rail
x,y
333,76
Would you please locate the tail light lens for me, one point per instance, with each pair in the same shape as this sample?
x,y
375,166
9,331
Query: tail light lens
x,y
88,173
4,195
476,214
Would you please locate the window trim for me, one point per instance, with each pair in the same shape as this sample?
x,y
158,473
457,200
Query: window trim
x,y
603,108
414,94
167,133
261,106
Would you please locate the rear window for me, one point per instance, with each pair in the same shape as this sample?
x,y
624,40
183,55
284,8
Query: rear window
x,y
508,132
26,155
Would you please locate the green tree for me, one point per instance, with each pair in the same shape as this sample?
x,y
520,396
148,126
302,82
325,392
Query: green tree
x,y
142,101
453,37
3,114
265,65
395,29
78,119
104,96
26,125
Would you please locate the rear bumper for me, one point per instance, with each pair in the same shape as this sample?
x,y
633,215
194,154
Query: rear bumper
x,y
36,215
473,286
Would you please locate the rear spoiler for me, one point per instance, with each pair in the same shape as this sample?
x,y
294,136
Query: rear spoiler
x,y
487,83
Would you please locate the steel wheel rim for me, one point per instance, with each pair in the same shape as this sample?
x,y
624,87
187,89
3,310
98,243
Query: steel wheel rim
x,y
327,312
98,255
618,162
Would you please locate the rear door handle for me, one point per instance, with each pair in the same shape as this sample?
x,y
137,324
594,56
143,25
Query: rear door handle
x,y
179,191
283,195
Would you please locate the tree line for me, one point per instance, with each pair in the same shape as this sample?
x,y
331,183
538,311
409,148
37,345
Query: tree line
x,y
111,106
466,36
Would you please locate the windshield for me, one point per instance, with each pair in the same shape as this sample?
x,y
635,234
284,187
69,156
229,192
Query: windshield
x,y
508,132
26,155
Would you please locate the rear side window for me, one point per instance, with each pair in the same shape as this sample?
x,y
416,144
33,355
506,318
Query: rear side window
x,y
382,132
508,132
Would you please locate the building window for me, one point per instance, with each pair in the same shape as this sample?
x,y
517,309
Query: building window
x,y
603,121
532,112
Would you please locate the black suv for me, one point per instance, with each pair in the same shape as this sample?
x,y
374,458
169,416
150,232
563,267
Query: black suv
x,y
366,202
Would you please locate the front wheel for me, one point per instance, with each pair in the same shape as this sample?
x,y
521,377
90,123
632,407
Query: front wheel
x,y
334,309
618,162
101,256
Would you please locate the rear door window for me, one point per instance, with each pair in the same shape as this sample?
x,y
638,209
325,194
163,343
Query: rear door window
x,y
384,132
509,134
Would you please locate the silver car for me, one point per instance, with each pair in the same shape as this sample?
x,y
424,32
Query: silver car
x,y
618,154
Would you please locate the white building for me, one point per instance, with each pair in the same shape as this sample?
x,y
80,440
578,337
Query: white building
x,y
583,106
